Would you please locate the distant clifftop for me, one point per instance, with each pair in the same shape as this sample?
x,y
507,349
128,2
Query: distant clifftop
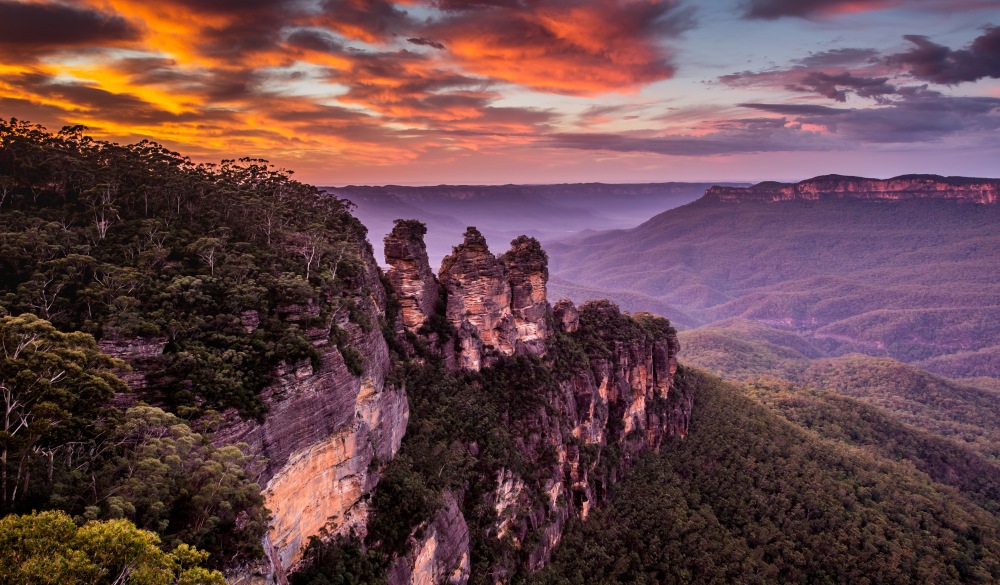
x,y
960,189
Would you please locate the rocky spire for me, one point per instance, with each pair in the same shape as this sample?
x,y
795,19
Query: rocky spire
x,y
478,301
410,272
528,274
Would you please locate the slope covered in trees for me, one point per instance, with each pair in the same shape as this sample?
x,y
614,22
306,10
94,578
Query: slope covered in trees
x,y
212,273
750,497
136,241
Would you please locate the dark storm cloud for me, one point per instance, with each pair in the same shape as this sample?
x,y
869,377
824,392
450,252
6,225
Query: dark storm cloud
x,y
917,117
843,57
774,9
425,42
795,109
917,120
30,29
936,63
837,87
314,40
367,20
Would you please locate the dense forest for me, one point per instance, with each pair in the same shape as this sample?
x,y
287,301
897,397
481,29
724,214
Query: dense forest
x,y
138,245
749,497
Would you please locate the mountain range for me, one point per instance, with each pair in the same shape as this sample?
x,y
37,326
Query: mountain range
x,y
904,268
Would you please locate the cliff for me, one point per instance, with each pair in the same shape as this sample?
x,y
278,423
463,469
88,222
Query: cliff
x,y
327,431
960,189
324,428
581,392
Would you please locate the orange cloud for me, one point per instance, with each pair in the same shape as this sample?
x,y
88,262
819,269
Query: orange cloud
x,y
575,48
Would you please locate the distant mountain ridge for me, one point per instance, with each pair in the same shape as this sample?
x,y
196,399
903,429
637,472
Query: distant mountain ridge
x,y
904,267
962,189
503,212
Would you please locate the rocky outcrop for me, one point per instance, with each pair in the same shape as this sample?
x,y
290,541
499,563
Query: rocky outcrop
x,y
440,555
132,349
528,274
324,428
959,189
617,388
478,302
627,398
410,273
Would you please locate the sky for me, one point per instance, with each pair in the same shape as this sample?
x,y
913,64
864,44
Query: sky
x,y
522,91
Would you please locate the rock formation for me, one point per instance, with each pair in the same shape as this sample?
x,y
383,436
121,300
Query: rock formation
x,y
960,189
410,274
440,555
622,394
528,274
323,429
478,302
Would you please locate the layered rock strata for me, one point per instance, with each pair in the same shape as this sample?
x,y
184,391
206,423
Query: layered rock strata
x,y
440,555
528,274
479,302
960,189
621,394
410,273
324,428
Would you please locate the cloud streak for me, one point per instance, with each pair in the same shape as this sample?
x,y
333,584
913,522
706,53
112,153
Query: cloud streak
x,y
936,63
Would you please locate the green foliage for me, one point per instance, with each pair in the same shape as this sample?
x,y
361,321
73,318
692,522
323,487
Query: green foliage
x,y
603,325
853,422
54,390
50,549
137,241
748,497
165,477
65,446
339,562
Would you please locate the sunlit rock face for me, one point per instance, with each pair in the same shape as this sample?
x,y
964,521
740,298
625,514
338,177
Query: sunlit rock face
x,y
410,273
440,555
478,302
960,189
627,398
324,428
528,275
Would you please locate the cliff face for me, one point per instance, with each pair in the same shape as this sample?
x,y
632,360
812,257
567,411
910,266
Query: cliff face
x,y
528,274
410,274
961,189
621,394
479,298
323,429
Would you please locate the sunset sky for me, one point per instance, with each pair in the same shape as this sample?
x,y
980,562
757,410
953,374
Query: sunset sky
x,y
522,91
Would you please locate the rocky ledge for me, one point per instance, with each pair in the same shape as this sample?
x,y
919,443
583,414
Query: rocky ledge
x,y
958,189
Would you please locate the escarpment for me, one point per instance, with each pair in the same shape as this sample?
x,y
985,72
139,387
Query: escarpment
x,y
325,427
960,189
581,391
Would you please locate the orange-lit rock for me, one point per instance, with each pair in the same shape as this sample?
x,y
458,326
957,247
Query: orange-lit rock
x,y
478,301
528,275
410,273
961,189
